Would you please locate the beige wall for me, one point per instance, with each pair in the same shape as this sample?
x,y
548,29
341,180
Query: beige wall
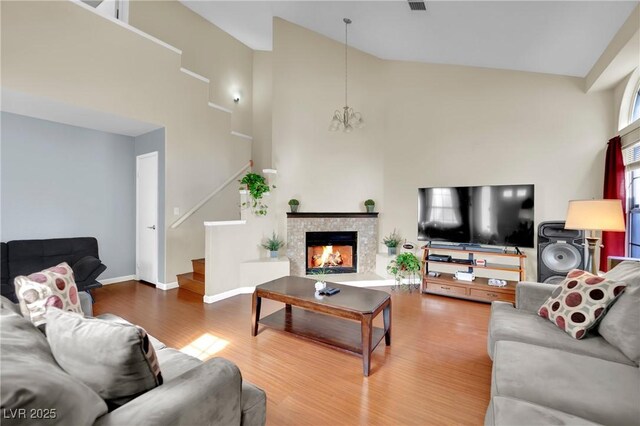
x,y
62,51
326,171
206,50
429,125
262,116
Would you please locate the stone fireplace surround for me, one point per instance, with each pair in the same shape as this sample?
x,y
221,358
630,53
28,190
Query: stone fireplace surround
x,y
365,224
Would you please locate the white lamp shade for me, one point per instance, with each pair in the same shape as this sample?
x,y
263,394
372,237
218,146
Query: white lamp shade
x,y
595,215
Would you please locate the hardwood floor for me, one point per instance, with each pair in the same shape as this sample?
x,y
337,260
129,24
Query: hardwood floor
x,y
436,371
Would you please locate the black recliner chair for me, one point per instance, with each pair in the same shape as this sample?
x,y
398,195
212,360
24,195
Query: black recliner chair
x,y
24,257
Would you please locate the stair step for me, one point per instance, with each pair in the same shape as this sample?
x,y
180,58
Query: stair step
x,y
198,266
192,281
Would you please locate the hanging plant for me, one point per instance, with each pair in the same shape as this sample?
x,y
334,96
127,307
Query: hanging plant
x,y
257,186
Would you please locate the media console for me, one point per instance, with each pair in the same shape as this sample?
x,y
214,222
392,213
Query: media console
x,y
446,285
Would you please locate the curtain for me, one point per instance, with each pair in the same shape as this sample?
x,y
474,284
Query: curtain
x,y
614,188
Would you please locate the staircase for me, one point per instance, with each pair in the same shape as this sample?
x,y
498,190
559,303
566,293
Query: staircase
x,y
193,281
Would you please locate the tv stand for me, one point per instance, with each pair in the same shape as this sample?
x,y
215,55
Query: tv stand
x,y
479,289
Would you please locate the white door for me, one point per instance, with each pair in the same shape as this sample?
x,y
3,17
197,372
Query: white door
x,y
147,217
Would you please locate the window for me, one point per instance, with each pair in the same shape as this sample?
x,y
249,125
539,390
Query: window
x,y
635,112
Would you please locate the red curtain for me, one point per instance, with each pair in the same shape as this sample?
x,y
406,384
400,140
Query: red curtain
x,y
614,188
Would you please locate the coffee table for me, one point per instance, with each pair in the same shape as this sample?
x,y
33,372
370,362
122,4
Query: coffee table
x,y
324,318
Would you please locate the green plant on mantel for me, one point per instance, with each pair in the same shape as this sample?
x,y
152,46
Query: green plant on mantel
x,y
294,202
257,187
369,205
405,265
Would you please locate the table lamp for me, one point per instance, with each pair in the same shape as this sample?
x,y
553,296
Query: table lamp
x,y
595,215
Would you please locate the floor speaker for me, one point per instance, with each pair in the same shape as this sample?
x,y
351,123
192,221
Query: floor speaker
x,y
559,251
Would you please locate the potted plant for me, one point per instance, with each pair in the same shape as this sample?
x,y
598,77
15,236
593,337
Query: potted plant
x,y
293,205
257,187
273,244
406,265
369,205
392,241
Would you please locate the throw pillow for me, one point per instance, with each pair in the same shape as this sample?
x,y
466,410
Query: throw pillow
x,y
114,359
83,268
621,325
52,287
579,301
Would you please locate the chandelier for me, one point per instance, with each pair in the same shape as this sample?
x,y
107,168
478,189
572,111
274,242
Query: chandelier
x,y
347,119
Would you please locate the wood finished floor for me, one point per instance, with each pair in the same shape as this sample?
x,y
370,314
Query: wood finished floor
x,y
436,370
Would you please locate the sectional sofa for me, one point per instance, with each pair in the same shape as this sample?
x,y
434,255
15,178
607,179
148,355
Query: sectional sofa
x,y
193,392
543,376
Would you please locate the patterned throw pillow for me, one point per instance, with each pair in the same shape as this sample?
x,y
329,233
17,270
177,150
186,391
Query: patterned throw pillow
x,y
52,287
579,301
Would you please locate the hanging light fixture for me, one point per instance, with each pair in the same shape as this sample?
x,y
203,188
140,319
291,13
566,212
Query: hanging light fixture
x,y
347,119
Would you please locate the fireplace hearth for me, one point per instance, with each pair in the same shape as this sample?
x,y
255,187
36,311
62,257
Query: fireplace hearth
x,y
331,252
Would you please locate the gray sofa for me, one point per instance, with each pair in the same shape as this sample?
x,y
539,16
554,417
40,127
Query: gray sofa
x,y
193,392
542,376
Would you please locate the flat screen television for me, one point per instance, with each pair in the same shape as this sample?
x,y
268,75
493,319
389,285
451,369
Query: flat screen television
x,y
500,215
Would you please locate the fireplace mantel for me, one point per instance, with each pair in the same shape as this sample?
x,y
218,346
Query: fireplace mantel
x,y
332,214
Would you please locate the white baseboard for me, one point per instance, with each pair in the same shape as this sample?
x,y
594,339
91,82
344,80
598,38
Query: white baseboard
x,y
116,280
227,294
167,286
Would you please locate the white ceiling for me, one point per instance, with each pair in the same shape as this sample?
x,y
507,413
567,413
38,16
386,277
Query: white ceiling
x,y
53,110
557,37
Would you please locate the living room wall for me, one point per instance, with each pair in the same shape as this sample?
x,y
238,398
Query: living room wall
x,y
61,181
62,51
429,125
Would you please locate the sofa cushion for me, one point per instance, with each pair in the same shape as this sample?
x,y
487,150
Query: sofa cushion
x,y
509,411
54,286
174,363
115,360
627,272
31,378
621,325
600,391
157,344
577,304
511,324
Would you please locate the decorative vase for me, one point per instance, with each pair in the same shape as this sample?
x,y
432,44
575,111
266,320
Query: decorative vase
x,y
273,254
392,251
294,208
369,208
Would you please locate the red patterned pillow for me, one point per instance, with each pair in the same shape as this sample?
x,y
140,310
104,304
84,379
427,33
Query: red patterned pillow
x,y
52,287
579,301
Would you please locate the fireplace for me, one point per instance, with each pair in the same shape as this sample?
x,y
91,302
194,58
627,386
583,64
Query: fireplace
x,y
332,252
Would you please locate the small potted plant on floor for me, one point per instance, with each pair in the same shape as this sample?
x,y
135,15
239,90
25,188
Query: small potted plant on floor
x,y
273,244
392,241
369,205
257,187
405,266
293,205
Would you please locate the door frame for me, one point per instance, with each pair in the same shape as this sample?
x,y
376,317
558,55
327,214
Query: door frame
x,y
155,155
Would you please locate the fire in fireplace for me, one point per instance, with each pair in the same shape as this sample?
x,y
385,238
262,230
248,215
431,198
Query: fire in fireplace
x,y
332,252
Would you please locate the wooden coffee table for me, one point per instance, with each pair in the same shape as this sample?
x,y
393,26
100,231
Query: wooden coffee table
x,y
317,319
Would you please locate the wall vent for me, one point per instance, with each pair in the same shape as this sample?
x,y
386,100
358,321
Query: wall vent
x,y
417,5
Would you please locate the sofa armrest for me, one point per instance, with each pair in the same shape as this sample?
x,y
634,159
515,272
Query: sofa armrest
x,y
530,295
205,395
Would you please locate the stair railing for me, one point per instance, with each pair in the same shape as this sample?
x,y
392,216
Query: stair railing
x,y
206,199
